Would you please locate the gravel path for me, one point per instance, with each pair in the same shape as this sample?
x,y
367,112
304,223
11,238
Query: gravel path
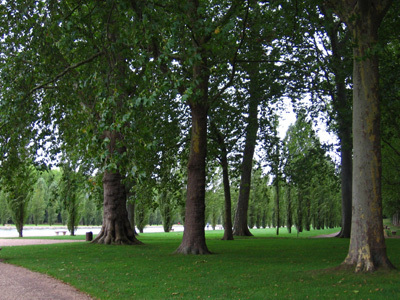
x,y
24,242
17,283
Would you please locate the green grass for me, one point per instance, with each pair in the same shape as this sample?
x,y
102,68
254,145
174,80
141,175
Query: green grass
x,y
263,267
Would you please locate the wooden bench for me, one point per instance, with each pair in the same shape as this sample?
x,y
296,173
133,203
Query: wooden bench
x,y
63,232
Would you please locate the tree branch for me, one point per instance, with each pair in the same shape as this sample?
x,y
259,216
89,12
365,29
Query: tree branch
x,y
391,146
234,61
65,71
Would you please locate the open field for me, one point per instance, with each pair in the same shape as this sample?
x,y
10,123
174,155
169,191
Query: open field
x,y
263,267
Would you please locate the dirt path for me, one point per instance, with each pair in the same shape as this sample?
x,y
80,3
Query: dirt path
x,y
25,242
17,283
325,235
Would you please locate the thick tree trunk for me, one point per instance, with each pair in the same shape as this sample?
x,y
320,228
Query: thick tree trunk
x,y
367,250
194,241
116,228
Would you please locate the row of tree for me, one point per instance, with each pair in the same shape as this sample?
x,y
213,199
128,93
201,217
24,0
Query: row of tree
x,y
47,199
137,90
50,198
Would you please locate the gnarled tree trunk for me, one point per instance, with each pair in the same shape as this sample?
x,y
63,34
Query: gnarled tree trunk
x,y
116,228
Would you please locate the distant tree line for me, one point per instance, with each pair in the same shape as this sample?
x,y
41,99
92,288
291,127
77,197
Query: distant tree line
x,y
47,200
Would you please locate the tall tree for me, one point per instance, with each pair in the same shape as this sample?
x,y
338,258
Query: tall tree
x,y
85,71
223,161
204,34
339,62
255,50
367,251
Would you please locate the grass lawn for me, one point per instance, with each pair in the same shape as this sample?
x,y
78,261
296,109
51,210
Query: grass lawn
x,y
262,267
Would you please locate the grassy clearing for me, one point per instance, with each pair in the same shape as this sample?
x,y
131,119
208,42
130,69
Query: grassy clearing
x,y
263,267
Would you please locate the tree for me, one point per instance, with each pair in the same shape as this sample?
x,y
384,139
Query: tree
x,y
309,172
4,211
201,41
18,186
341,103
70,196
38,202
274,155
85,73
223,160
367,251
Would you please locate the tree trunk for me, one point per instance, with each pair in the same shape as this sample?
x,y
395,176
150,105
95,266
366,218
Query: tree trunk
x,y
240,227
116,228
367,250
194,241
289,218
346,181
228,232
299,221
277,205
166,212
130,207
342,107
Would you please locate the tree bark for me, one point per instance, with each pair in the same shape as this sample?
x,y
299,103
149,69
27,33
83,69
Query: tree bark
x,y
194,241
116,228
367,251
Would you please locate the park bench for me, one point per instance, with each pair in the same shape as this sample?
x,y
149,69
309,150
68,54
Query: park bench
x,y
59,231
